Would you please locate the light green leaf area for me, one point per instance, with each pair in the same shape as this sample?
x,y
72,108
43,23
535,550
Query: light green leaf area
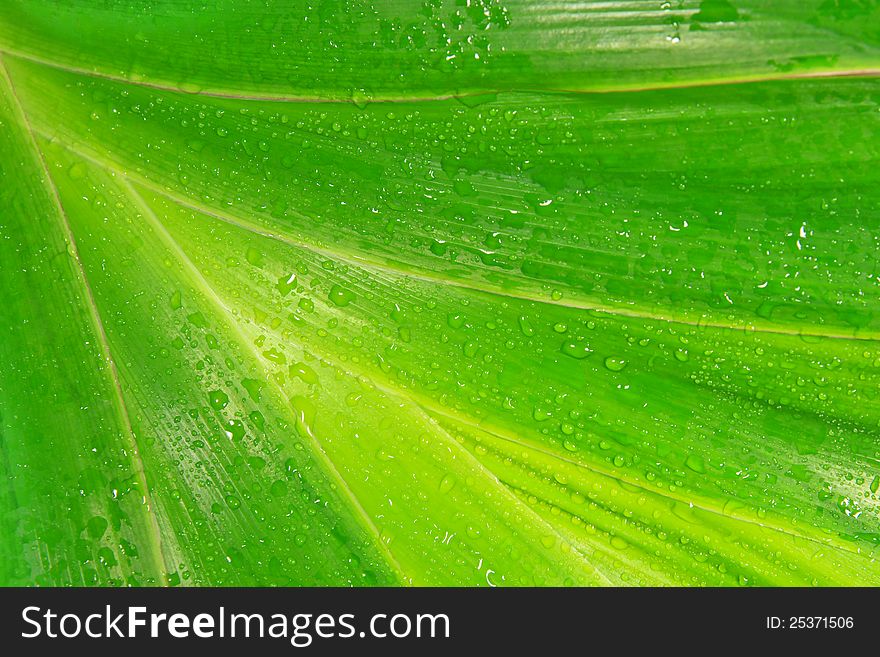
x,y
262,327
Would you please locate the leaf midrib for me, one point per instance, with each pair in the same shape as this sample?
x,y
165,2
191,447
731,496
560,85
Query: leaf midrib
x,y
430,409
156,551
700,504
424,402
232,94
355,260
401,269
212,296
394,393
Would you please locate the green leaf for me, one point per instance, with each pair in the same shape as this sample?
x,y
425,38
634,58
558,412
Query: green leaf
x,y
400,49
292,300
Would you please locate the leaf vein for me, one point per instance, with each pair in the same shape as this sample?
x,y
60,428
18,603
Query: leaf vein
x,y
214,298
157,550
427,276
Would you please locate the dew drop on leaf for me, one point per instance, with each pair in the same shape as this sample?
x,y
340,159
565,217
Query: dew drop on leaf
x,y
218,399
577,350
615,363
341,296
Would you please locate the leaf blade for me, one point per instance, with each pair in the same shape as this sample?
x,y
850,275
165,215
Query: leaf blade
x,y
441,49
511,338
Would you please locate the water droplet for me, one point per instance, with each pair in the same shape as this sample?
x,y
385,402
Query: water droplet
x,y
197,319
455,320
447,483
275,356
306,412
340,296
218,399
286,284
695,463
526,326
253,387
578,350
235,430
77,171
257,420
96,527
254,257
304,372
615,364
